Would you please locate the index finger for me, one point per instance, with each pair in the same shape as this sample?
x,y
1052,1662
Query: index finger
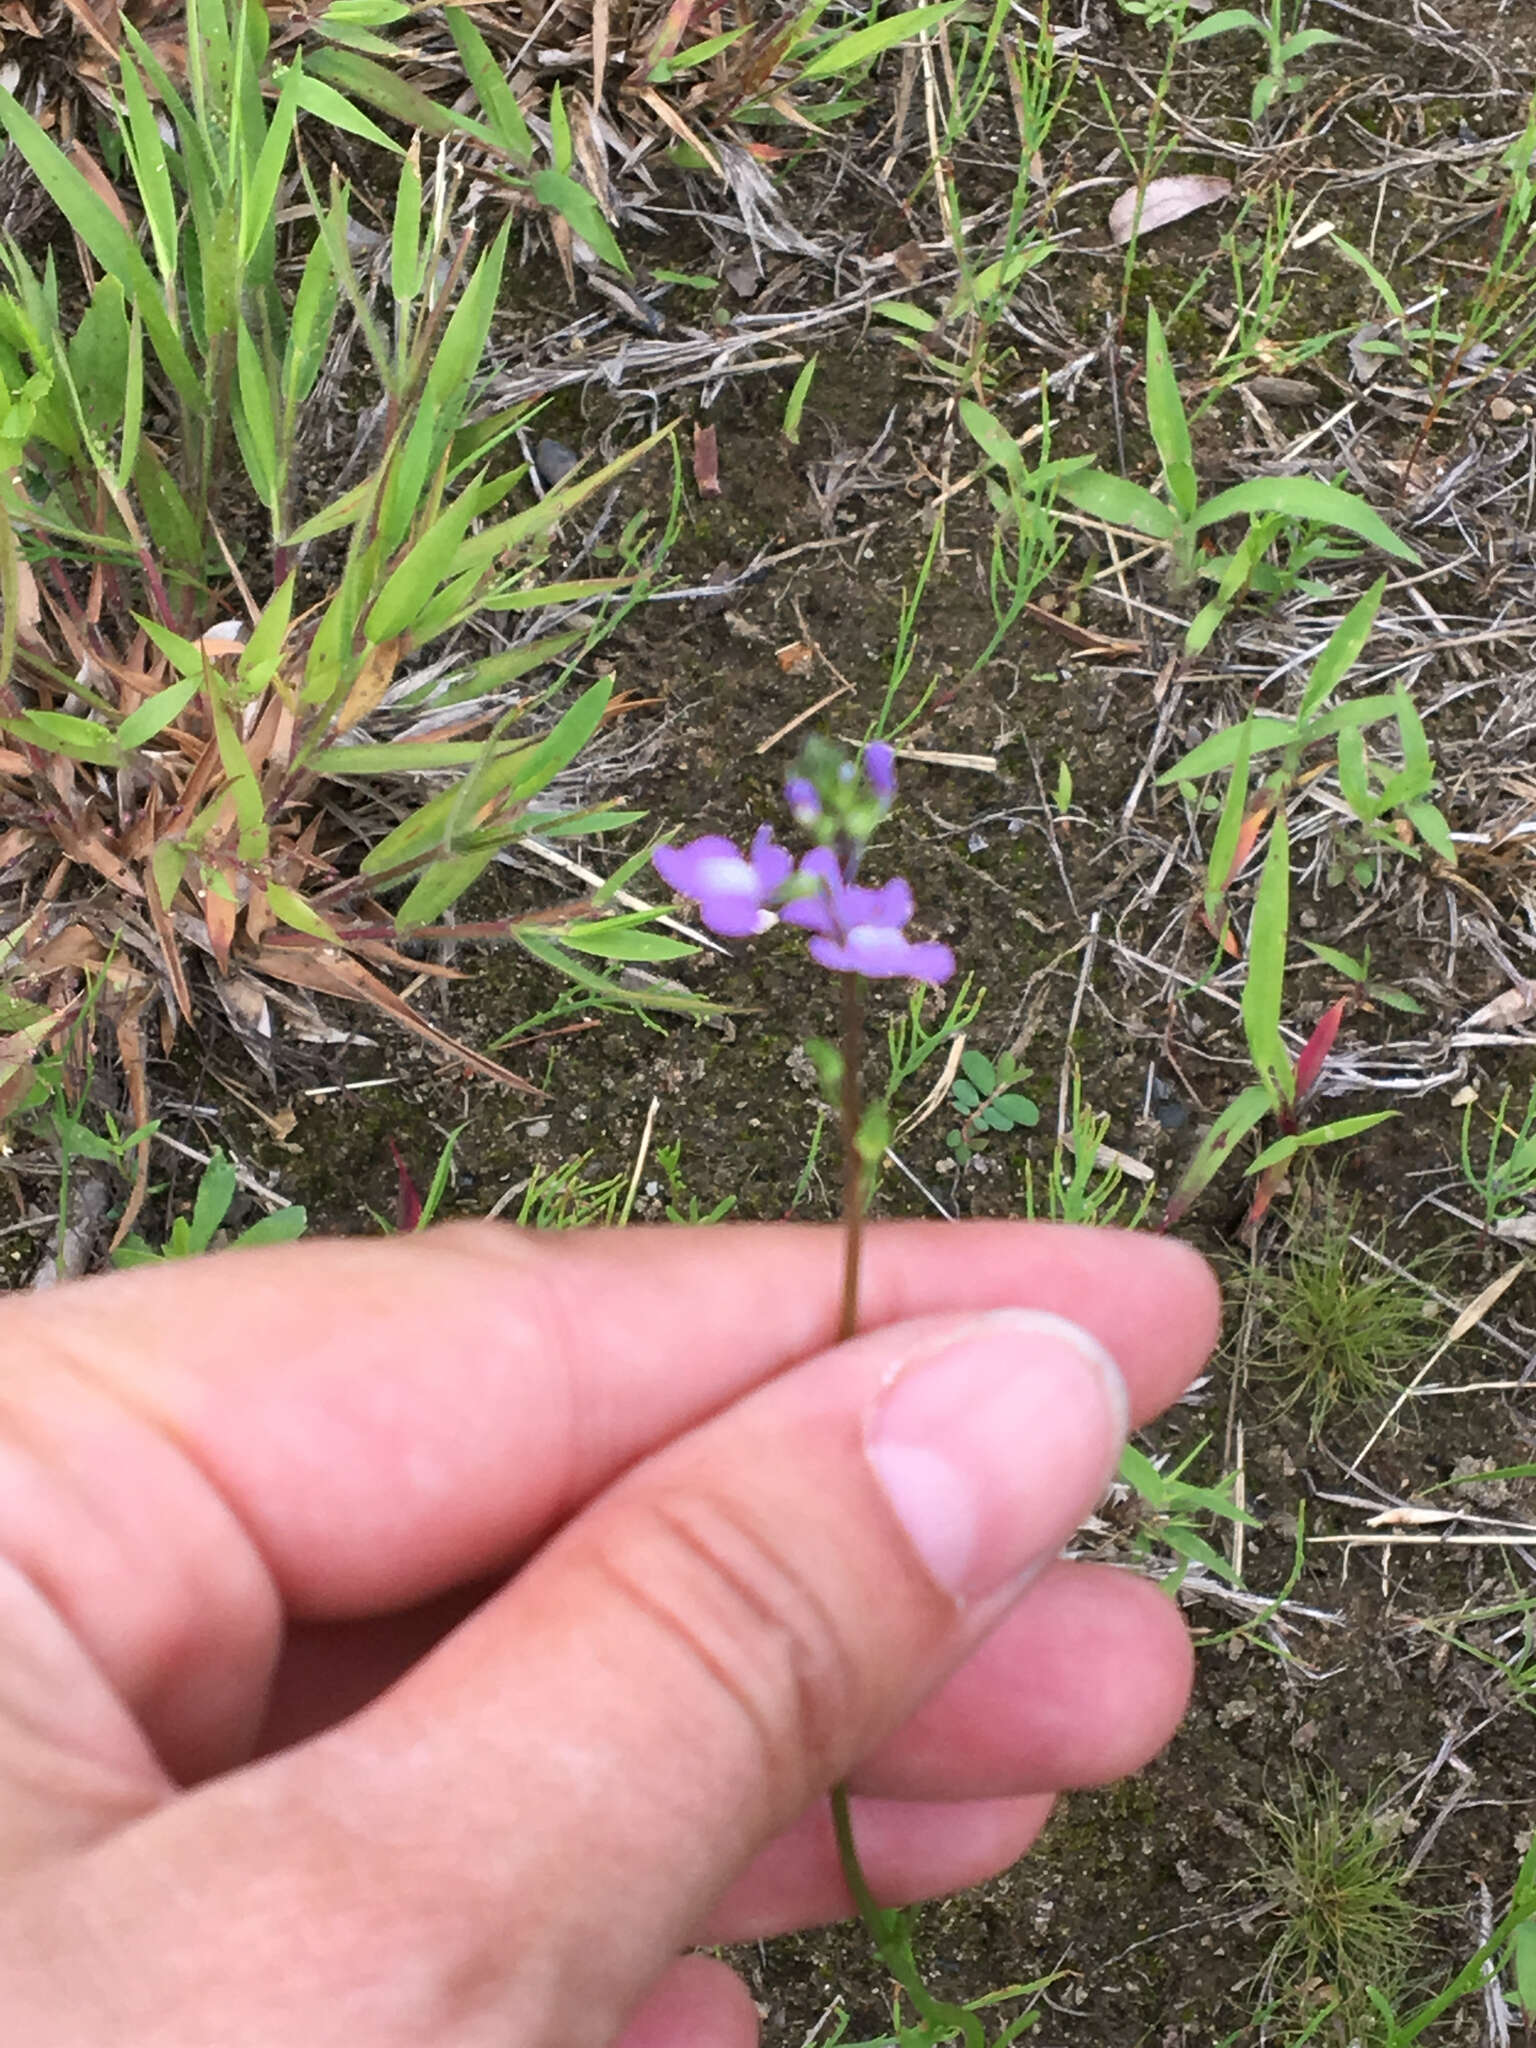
x,y
387,1419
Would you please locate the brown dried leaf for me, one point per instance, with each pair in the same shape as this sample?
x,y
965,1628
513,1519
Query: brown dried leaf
x,y
795,658
706,461
1164,201
373,679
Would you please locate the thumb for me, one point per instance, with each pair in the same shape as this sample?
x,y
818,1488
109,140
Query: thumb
x,y
517,1839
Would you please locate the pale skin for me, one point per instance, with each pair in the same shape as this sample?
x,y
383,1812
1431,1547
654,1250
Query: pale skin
x,y
424,1644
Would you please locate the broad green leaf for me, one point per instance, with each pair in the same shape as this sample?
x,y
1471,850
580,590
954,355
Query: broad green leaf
x,y
443,884
156,712
292,910
1264,987
1166,418
258,198
254,422
98,358
1429,822
1341,963
906,315
264,649
1120,502
623,939
405,757
1306,39
1344,648
184,655
563,195
978,1070
61,732
283,1226
1228,826
309,328
1257,735
992,438
1223,24
146,155
564,742
383,88
215,1192
849,52
1306,497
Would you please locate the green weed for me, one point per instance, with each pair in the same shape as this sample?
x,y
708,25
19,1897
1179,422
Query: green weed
x,y
1333,1875
1340,1332
1282,47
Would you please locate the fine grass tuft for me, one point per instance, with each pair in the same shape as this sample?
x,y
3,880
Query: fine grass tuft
x,y
1334,1875
1343,1332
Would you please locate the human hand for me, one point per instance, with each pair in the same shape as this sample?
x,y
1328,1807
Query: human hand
x,y
420,1644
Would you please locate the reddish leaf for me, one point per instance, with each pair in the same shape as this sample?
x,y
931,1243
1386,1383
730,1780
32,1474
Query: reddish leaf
x,y
407,1200
1317,1048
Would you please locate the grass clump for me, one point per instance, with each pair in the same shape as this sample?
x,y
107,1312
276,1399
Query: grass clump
x,y
1334,1875
1343,1332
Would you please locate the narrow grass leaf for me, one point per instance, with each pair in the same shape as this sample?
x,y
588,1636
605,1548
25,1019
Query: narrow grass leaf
x,y
1241,1115
1325,1134
795,406
107,241
316,97
841,52
562,194
1167,421
1345,646
1263,990
498,101
156,712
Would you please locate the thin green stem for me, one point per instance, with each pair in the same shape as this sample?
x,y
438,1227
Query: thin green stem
x,y
888,1928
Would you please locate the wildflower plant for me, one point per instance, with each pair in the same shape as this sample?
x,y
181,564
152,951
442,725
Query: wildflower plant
x,y
857,931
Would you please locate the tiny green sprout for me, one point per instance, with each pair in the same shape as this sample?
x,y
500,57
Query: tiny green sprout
x,y
796,402
1063,792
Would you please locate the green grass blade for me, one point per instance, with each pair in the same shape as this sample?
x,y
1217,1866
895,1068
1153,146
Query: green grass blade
x,y
103,235
1344,649
1307,497
1264,989
1167,421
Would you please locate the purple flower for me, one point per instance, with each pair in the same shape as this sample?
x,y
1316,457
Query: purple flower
x,y
880,768
731,888
855,930
804,803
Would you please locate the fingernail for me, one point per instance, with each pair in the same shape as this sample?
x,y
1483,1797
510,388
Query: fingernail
x,y
993,1443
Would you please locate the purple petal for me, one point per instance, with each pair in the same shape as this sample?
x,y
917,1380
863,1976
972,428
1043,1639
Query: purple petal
x,y
880,767
720,879
817,913
771,863
804,803
890,904
883,955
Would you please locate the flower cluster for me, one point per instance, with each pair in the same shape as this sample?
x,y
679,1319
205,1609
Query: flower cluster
x,y
853,929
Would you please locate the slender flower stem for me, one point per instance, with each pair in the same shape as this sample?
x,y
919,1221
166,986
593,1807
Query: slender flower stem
x,y
888,1927
852,1110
